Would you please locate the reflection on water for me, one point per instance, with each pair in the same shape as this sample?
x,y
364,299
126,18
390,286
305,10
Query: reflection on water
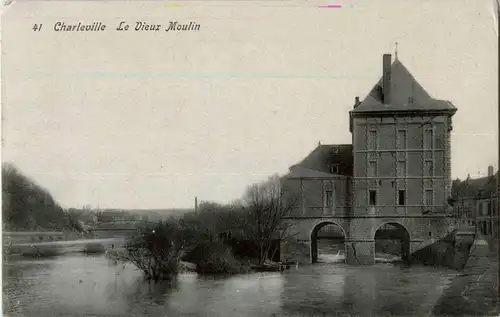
x,y
80,285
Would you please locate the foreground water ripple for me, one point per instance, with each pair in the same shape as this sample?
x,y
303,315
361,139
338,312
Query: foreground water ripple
x,y
78,285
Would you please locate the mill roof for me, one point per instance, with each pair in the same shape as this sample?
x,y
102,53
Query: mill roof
x,y
406,94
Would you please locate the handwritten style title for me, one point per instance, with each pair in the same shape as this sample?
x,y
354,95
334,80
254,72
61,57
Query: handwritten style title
x,y
123,26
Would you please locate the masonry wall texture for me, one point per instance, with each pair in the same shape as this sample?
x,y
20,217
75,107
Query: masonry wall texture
x,y
401,164
397,170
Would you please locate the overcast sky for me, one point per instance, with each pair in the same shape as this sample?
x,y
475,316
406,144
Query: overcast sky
x,y
152,119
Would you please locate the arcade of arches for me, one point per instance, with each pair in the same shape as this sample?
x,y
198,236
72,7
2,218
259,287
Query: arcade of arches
x,y
361,240
392,242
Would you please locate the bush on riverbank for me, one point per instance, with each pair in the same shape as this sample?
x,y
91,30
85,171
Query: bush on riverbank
x,y
216,258
155,250
93,248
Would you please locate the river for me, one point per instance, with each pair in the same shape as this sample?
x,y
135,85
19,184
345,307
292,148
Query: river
x,y
79,285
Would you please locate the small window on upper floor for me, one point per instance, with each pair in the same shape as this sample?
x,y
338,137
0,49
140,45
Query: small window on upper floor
x,y
373,197
429,197
372,140
401,172
428,138
372,168
428,168
334,168
329,198
401,139
401,198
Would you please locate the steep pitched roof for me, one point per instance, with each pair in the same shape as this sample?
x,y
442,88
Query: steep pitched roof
x,y
406,94
323,156
302,172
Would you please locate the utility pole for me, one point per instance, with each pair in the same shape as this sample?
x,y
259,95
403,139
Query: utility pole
x,y
195,205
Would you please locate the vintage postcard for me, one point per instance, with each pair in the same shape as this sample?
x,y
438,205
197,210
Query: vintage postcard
x,y
240,158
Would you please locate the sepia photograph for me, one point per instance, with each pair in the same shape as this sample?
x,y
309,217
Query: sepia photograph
x,y
246,158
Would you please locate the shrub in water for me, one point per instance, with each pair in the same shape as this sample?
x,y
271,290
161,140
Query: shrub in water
x,y
155,250
216,257
93,248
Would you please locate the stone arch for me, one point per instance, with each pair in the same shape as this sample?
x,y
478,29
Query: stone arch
x,y
402,236
314,238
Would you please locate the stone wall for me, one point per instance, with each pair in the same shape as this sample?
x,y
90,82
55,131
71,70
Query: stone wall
x,y
452,252
474,291
360,235
309,195
388,152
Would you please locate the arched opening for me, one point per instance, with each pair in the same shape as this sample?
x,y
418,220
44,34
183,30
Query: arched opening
x,y
392,243
328,243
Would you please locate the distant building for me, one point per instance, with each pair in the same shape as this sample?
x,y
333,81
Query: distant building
x,y
111,216
476,202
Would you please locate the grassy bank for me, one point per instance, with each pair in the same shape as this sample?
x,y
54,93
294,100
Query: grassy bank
x,y
53,249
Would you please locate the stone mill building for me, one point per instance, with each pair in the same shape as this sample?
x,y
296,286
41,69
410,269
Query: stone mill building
x,y
396,171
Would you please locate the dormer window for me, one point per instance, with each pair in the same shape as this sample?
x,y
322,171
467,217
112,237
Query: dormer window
x,y
334,168
335,150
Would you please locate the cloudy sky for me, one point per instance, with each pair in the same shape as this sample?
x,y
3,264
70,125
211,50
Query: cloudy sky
x,y
152,119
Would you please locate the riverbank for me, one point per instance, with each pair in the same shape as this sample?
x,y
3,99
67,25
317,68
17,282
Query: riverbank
x,y
474,291
57,248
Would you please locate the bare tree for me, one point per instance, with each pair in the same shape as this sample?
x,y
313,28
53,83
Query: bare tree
x,y
267,209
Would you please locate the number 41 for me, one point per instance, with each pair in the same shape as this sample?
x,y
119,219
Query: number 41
x,y
37,27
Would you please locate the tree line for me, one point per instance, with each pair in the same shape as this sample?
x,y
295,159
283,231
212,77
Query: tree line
x,y
28,206
204,237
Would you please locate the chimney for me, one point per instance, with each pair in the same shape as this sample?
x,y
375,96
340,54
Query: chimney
x,y
356,102
490,170
386,79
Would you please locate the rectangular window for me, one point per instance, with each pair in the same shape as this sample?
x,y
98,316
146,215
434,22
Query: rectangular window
x,y
402,139
484,208
334,168
428,168
428,138
373,197
372,169
372,142
429,197
401,168
401,197
328,198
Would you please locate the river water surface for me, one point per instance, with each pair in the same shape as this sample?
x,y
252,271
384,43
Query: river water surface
x,y
78,285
